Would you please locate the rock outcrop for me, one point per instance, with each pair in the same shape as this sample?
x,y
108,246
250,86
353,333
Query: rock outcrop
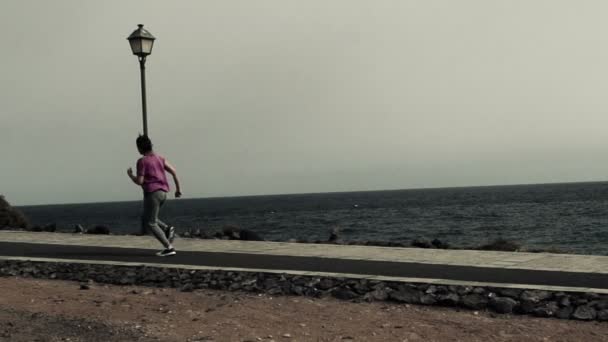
x,y
10,217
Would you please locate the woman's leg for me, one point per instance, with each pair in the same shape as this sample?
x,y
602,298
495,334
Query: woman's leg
x,y
167,229
162,224
142,219
152,203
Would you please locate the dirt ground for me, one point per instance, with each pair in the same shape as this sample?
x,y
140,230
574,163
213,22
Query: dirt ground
x,y
51,310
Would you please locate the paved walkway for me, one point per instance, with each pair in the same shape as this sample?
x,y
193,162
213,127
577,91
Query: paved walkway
x,y
529,270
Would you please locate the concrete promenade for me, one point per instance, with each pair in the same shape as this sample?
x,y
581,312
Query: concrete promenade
x,y
556,272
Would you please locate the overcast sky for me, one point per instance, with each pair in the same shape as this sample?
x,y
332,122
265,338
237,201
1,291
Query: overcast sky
x,y
264,97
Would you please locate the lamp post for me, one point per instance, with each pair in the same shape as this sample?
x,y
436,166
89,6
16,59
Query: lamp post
x,y
141,42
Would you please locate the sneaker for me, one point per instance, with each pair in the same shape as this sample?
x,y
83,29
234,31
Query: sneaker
x,y
166,252
170,234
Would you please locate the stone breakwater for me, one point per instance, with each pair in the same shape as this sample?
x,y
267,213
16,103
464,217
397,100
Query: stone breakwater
x,y
564,305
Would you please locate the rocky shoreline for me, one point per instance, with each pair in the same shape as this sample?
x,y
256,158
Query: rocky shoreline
x,y
562,305
236,233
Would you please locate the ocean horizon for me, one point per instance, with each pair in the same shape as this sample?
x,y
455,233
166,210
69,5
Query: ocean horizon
x,y
570,217
170,197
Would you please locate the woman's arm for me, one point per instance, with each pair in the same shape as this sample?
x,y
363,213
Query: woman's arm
x,y
169,168
139,180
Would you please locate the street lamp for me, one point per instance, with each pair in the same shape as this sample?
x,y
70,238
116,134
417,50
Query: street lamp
x,y
141,44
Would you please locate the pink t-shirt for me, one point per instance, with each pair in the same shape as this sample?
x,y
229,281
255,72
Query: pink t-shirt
x,y
152,167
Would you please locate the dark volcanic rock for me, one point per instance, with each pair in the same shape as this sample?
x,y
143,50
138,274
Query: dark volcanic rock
x,y
377,295
361,287
421,243
601,304
512,293
270,283
527,306
297,290
591,296
249,235
440,244
500,244
450,299
325,284
11,217
101,230
535,296
334,235
461,290
585,313
479,290
51,228
126,280
431,289
379,243
503,304
565,312
345,294
474,301
602,315
565,301
236,233
427,299
547,310
441,290
406,295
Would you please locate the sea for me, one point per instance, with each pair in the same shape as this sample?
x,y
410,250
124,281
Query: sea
x,y
568,217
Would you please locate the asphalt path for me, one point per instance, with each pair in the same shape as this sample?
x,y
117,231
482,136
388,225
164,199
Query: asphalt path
x,y
311,264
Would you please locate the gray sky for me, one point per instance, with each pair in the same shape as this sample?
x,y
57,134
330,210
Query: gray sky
x,y
262,97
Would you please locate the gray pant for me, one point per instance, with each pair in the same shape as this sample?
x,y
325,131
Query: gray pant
x,y
150,222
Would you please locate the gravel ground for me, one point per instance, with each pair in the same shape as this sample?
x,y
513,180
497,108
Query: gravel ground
x,y
52,310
